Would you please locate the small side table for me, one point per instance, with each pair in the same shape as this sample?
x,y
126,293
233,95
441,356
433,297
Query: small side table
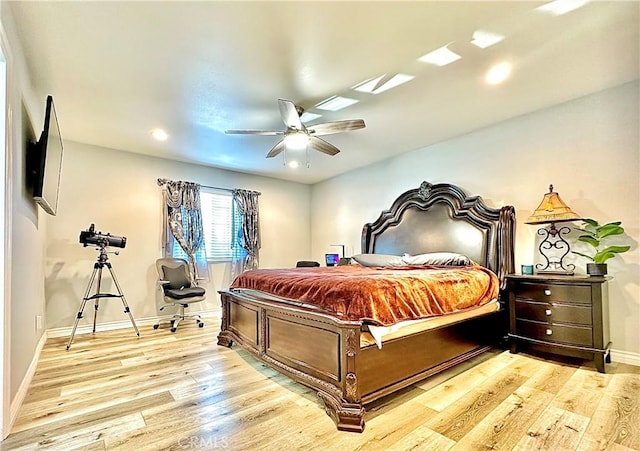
x,y
563,315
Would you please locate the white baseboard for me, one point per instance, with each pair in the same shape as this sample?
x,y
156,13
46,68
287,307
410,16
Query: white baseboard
x,y
115,325
18,399
630,358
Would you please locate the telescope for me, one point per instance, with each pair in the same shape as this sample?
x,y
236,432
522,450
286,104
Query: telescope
x,y
101,240
91,237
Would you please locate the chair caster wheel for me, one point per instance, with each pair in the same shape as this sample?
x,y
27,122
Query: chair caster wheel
x,y
173,329
155,326
201,325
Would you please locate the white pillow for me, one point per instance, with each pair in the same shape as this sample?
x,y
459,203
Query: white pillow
x,y
437,258
378,260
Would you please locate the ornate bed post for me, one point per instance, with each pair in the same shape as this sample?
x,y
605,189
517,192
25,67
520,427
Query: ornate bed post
x,y
223,338
348,412
506,243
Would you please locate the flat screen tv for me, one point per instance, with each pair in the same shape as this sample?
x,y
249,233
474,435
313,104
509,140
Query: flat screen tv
x,y
45,162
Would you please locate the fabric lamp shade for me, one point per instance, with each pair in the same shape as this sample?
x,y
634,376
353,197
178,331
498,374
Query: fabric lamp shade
x,y
552,209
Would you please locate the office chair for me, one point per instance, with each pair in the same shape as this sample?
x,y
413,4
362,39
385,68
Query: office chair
x,y
306,264
178,290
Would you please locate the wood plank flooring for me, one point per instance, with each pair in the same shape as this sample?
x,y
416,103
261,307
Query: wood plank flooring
x,y
164,391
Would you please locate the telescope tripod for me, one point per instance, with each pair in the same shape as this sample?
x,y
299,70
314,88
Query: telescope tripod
x,y
103,260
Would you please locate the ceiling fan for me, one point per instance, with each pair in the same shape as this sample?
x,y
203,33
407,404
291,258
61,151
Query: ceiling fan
x,y
297,135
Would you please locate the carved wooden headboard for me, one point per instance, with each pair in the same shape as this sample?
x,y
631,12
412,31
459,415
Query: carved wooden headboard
x,y
442,218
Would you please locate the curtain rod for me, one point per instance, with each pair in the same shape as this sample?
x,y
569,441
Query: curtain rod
x,y
163,181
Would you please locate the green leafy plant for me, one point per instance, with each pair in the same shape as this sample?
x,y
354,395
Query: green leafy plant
x,y
594,233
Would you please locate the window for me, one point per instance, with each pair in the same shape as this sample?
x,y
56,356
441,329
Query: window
x,y
218,217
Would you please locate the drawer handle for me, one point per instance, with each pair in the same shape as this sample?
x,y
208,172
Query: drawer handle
x,y
548,332
547,312
547,292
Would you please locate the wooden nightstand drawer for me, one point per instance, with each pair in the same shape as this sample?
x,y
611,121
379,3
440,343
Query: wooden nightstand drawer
x,y
577,335
542,311
544,292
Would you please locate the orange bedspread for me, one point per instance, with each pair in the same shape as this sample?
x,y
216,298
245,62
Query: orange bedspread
x,y
380,296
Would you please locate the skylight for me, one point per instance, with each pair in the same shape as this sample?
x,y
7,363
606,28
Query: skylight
x,y
383,83
308,117
559,7
336,103
440,57
484,39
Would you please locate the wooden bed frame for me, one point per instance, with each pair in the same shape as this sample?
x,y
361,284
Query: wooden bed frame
x,y
325,353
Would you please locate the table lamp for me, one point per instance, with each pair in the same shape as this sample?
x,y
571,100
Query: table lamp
x,y
553,247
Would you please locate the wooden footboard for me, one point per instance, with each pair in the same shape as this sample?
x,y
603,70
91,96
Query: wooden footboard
x,y
314,349
324,353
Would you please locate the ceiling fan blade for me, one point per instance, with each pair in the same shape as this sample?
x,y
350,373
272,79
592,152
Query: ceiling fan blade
x,y
323,146
289,114
329,128
253,132
276,149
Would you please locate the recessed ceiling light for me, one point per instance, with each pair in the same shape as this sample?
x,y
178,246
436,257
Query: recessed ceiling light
x,y
498,73
383,83
559,7
484,39
159,134
336,103
440,57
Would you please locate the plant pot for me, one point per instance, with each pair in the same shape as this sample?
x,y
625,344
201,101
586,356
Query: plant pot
x,y
596,269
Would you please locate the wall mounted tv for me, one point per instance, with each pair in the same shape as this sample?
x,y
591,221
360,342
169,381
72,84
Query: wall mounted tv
x,y
44,159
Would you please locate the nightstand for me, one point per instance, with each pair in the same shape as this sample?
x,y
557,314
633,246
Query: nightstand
x,y
564,315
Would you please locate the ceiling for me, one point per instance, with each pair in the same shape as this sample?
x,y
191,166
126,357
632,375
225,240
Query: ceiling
x,y
118,69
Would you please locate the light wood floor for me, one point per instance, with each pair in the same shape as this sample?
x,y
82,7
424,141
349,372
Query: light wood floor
x,y
167,391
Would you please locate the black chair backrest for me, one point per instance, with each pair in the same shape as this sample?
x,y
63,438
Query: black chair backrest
x,y
306,264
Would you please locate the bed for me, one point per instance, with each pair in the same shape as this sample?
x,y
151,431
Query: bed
x,y
339,356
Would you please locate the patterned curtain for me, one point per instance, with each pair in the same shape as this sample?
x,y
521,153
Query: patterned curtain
x,y
183,222
246,234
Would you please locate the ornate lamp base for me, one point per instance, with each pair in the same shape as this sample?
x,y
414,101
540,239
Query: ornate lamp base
x,y
553,240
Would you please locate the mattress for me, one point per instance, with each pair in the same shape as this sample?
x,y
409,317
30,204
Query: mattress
x,y
372,335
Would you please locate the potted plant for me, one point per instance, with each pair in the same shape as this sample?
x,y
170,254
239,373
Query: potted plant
x,y
593,234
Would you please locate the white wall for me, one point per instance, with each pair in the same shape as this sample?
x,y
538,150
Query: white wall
x,y
117,191
26,225
588,148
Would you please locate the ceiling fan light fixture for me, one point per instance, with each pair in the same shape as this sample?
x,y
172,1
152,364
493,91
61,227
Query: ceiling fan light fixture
x,y
296,141
440,57
336,103
298,137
